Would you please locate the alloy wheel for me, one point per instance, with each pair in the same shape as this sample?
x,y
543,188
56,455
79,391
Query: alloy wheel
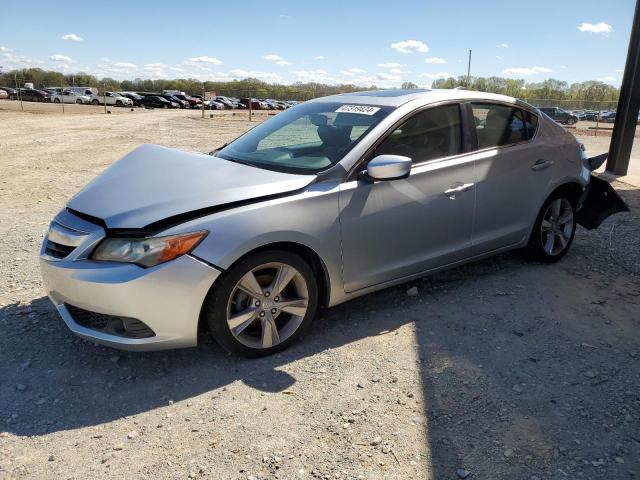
x,y
557,226
267,305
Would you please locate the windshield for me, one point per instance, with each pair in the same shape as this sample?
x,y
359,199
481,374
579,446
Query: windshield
x,y
307,138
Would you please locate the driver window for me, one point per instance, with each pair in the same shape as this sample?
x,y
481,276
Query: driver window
x,y
429,135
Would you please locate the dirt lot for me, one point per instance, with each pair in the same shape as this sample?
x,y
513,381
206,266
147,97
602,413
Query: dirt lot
x,y
503,369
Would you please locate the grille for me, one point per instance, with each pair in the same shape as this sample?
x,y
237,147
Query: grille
x,y
111,324
57,250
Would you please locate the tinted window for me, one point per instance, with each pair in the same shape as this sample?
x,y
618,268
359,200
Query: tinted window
x,y
531,124
434,133
498,125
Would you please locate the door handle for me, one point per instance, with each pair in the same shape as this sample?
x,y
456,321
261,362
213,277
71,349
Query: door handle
x,y
453,191
541,164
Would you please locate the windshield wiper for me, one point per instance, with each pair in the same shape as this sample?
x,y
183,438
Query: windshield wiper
x,y
213,152
236,160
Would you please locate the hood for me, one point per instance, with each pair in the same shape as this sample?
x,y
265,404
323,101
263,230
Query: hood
x,y
153,183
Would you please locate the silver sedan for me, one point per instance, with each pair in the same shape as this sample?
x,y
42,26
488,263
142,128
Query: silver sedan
x,y
329,200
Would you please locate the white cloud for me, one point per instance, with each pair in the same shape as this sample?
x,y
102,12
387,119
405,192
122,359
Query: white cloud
x,y
310,75
435,60
60,58
607,79
500,57
410,46
352,71
386,76
526,70
595,28
72,36
5,49
319,57
124,65
240,73
390,65
397,71
502,45
203,59
277,59
176,69
435,76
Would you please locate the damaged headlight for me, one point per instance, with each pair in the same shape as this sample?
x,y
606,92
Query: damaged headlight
x,y
147,252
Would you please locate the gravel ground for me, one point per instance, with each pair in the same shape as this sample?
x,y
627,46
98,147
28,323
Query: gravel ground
x,y
503,369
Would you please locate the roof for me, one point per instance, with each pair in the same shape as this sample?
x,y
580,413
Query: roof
x,y
397,97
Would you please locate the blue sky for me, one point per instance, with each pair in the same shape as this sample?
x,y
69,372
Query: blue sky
x,y
361,42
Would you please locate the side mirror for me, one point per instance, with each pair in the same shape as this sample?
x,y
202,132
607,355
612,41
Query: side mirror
x,y
388,167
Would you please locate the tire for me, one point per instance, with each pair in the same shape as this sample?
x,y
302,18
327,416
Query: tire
x,y
95,102
260,312
56,100
78,102
559,206
118,103
571,121
166,106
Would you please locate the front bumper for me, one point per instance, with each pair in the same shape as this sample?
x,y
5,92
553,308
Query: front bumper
x,y
167,298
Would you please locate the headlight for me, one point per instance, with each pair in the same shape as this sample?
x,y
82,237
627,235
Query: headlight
x,y
147,252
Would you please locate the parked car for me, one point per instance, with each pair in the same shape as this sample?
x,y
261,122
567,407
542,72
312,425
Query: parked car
x,y
134,97
111,98
608,117
30,95
154,101
256,104
213,105
333,199
68,96
225,101
10,91
173,98
3,94
237,102
589,115
559,115
193,102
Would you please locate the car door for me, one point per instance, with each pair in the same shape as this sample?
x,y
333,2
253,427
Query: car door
x,y
512,172
394,229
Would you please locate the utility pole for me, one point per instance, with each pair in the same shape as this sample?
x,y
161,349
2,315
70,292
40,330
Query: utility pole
x,y
469,71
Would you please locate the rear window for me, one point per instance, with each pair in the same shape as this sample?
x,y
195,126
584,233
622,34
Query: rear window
x,y
498,125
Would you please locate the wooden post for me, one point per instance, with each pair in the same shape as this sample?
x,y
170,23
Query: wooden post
x,y
104,96
15,76
250,106
202,99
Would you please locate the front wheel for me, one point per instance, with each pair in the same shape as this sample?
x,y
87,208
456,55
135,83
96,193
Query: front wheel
x,y
571,121
78,102
118,103
263,304
56,100
95,102
554,229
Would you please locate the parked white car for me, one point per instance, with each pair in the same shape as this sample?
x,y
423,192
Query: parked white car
x,y
111,98
70,97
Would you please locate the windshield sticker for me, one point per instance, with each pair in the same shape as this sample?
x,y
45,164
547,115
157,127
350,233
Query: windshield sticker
x,y
361,109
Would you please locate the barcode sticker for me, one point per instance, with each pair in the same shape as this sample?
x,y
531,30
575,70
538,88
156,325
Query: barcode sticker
x,y
361,109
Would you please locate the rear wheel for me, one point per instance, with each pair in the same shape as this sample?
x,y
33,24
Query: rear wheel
x,y
554,229
56,100
95,102
79,102
571,121
118,103
263,304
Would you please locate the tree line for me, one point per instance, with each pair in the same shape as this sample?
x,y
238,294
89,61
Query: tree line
x,y
587,94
